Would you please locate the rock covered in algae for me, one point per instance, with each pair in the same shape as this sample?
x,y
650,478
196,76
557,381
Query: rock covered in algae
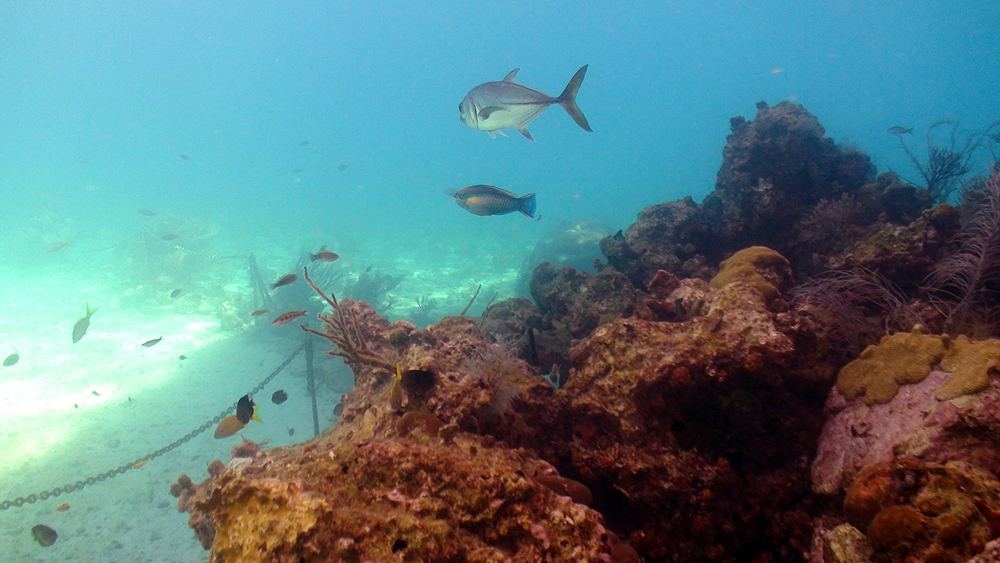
x,y
413,499
677,423
914,423
915,511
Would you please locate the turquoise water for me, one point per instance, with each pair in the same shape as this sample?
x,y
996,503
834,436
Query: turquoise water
x,y
303,125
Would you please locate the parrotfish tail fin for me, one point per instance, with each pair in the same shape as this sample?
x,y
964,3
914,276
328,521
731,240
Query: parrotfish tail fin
x,y
568,99
527,205
255,417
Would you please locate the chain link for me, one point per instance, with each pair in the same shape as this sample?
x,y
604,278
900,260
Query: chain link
x,y
69,488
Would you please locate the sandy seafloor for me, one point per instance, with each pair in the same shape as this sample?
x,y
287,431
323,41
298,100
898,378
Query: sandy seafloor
x,y
55,430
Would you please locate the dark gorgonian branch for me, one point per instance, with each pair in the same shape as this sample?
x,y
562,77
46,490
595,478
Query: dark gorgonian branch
x,y
342,330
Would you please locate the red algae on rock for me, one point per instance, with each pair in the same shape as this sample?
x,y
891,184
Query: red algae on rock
x,y
391,500
915,511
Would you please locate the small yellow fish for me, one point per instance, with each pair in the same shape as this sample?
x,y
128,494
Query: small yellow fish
x,y
62,507
396,395
140,464
229,426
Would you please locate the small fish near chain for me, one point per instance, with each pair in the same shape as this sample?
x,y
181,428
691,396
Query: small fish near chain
x,y
284,280
288,317
44,535
324,256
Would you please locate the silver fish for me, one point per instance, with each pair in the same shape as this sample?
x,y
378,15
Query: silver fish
x,y
490,200
81,326
506,104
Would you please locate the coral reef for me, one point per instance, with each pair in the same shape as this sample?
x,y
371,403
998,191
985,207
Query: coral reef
x,y
572,304
916,511
943,416
683,391
784,185
576,245
403,499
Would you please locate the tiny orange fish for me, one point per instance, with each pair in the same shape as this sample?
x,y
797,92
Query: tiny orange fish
x,y
288,317
140,464
777,70
62,507
324,256
259,312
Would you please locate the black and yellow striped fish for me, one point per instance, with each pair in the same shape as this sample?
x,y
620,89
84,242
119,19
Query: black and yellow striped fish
x,y
491,200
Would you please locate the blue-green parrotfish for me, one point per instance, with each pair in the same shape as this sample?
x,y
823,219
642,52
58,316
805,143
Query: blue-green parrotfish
x,y
491,200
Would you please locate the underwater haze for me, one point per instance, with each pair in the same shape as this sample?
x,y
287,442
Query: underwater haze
x,y
155,147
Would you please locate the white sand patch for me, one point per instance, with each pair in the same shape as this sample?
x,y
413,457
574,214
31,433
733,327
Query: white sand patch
x,y
72,411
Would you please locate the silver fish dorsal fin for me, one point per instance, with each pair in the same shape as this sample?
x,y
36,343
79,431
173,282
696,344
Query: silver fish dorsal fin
x,y
511,75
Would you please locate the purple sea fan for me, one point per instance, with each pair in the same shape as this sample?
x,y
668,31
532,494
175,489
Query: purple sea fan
x,y
962,286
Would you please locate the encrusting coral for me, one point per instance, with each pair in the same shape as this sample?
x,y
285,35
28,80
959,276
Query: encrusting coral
x,y
970,364
908,357
904,357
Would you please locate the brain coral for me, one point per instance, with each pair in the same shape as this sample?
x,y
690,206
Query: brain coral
x,y
757,266
904,357
970,364
908,357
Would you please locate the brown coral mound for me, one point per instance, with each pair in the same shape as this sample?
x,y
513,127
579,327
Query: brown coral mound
x,y
392,500
914,511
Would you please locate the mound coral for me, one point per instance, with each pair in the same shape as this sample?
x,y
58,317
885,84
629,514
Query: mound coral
x,y
914,511
759,267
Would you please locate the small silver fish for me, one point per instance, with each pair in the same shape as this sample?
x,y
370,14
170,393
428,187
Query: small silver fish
x,y
152,342
493,106
900,130
490,200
